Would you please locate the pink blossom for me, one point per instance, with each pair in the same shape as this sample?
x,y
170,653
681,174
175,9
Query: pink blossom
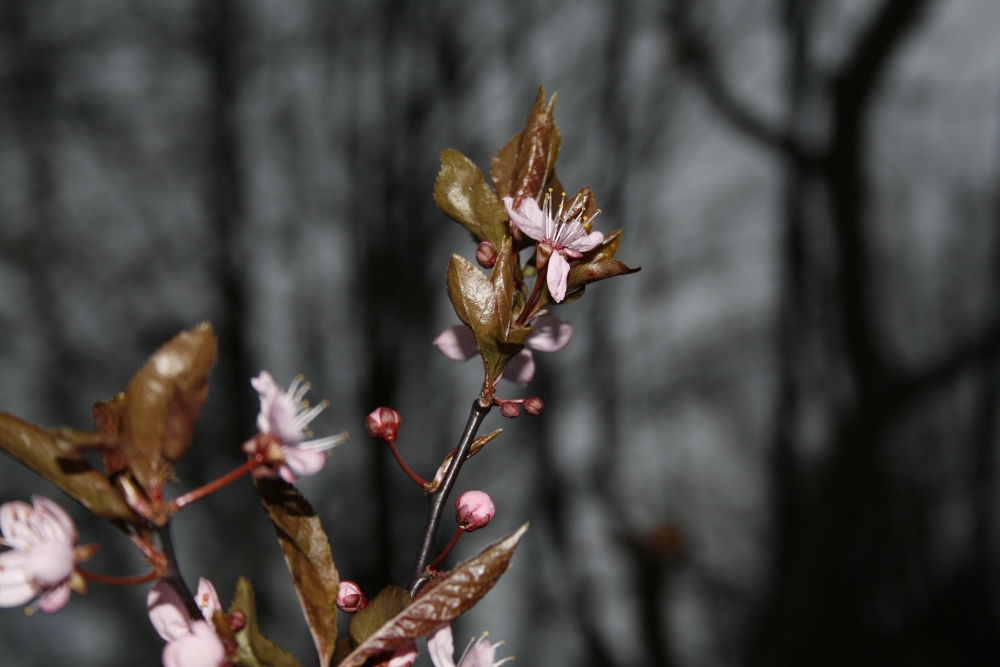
x,y
563,238
404,656
286,416
350,598
42,560
190,643
549,334
473,510
479,653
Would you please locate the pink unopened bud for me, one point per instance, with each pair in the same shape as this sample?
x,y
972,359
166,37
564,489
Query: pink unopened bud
x,y
533,406
486,254
509,409
237,619
474,509
350,598
383,424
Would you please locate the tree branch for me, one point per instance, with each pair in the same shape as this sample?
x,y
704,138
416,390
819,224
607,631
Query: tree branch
x,y
437,499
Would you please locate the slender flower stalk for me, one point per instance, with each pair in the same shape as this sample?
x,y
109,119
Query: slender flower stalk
x,y
213,486
402,464
451,545
112,580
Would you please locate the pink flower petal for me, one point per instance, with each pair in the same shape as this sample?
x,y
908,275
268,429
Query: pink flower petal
x,y
282,418
549,333
14,524
54,599
457,343
199,648
16,587
404,656
52,521
530,219
441,647
207,599
557,276
520,369
267,389
50,563
167,612
303,462
480,655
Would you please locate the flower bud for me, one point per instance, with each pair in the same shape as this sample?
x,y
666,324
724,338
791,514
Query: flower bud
x,y
486,254
473,510
383,424
533,406
509,409
350,598
237,619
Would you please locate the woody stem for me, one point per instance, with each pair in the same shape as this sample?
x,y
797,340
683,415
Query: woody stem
x,y
438,499
112,580
172,575
447,549
402,464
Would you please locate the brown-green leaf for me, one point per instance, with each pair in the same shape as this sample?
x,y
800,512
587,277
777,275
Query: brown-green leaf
x,y
253,648
39,450
537,151
307,553
442,600
486,305
163,401
599,264
462,194
502,166
389,602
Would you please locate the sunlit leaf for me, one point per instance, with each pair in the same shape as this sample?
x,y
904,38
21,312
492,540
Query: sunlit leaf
x,y
389,602
63,466
310,563
502,166
462,194
537,151
442,600
253,648
163,401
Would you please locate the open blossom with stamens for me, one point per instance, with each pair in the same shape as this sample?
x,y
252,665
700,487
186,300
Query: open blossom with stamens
x,y
549,334
42,559
563,238
189,643
285,416
479,653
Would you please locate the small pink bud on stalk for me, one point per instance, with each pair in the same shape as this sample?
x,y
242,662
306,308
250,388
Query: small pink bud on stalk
x,y
486,254
534,406
383,424
473,510
237,619
509,409
350,598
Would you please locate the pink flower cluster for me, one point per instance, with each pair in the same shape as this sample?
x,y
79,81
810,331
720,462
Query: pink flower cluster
x,y
190,643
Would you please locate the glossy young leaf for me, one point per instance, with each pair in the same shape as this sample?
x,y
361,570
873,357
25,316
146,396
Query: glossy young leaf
x,y
599,264
537,151
389,602
441,601
63,466
162,403
462,194
477,445
502,166
310,563
253,648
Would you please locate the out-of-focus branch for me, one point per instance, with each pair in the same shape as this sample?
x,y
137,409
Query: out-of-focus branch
x,y
976,352
692,52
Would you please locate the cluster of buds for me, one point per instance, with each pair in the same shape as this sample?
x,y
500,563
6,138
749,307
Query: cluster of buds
x,y
509,407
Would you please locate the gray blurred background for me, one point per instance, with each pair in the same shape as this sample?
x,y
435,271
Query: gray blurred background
x,y
776,445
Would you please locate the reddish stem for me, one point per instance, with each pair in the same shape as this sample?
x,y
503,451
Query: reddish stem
x,y
112,580
402,464
454,539
535,290
211,487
